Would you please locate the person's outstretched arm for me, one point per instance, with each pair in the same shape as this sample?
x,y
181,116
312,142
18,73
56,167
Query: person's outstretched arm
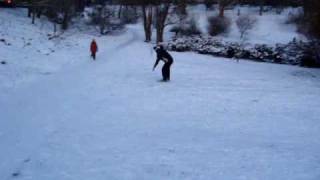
x,y
156,64
157,61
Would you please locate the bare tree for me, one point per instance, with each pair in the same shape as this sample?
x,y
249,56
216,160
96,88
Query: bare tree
x,y
245,23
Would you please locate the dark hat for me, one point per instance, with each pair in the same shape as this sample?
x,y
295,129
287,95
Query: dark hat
x,y
158,47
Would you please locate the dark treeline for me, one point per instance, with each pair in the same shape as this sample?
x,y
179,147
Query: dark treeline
x,y
272,2
249,2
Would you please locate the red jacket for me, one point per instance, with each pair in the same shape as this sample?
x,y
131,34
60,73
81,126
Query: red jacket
x,y
94,47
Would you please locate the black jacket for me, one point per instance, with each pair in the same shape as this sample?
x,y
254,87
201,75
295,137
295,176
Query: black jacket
x,y
164,56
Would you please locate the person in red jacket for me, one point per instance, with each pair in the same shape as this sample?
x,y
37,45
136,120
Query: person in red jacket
x,y
94,49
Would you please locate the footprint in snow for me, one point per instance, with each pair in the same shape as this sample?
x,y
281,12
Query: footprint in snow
x,y
303,74
17,173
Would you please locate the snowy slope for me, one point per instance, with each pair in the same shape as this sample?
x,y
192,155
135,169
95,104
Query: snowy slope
x,y
30,53
112,119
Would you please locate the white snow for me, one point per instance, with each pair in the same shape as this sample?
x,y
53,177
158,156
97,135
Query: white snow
x,y
66,117
271,28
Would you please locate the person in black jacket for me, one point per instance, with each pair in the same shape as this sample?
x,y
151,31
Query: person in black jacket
x,y
164,56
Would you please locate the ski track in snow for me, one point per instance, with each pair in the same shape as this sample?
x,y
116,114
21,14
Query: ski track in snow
x,y
112,119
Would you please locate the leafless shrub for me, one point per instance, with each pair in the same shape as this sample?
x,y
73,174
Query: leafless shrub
x,y
245,23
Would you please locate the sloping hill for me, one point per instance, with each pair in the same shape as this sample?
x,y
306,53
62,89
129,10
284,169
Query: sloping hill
x,y
112,119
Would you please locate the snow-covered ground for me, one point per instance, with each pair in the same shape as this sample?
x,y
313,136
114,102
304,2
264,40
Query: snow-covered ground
x,y
271,28
66,117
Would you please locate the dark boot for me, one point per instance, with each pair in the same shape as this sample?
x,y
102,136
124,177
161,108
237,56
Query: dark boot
x,y
168,72
164,73
93,55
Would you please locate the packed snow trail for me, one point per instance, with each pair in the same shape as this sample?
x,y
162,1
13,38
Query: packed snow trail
x,y
112,119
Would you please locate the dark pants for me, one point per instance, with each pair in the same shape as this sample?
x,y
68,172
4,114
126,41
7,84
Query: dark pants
x,y
166,71
93,55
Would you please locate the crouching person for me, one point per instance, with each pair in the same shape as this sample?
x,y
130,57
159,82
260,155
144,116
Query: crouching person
x,y
164,56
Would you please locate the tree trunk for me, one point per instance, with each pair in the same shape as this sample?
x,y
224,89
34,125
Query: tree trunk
x,y
261,8
162,12
221,11
182,7
120,12
147,22
65,21
80,5
29,12
38,12
160,34
54,28
33,15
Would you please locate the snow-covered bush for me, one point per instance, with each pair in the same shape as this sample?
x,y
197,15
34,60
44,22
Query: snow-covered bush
x,y
292,53
245,23
218,25
311,55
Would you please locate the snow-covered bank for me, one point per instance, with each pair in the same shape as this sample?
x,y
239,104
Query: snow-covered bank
x,y
294,53
272,39
30,51
112,119
271,28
